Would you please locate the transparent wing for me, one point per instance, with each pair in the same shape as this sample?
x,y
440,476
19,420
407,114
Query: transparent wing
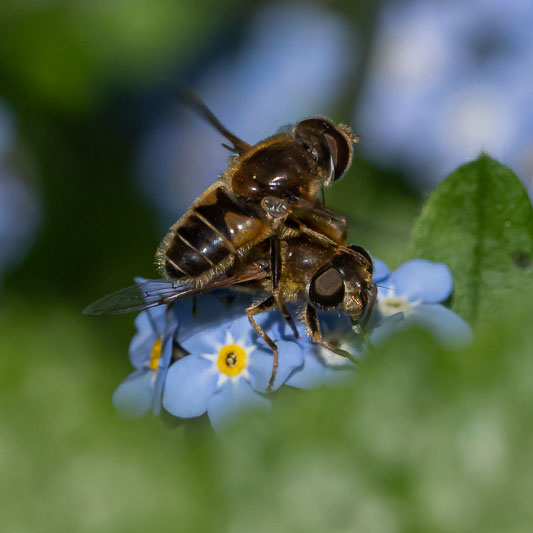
x,y
152,293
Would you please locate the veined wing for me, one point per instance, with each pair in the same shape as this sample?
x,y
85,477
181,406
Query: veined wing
x,y
152,293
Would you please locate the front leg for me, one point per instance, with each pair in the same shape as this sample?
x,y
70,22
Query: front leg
x,y
360,326
320,219
275,269
313,327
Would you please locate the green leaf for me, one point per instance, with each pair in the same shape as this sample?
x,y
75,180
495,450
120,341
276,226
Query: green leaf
x,y
479,222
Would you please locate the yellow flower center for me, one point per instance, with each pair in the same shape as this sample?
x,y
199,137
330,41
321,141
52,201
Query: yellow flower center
x,y
231,359
155,354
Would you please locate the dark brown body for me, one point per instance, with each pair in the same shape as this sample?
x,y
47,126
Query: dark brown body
x,y
229,218
302,258
216,230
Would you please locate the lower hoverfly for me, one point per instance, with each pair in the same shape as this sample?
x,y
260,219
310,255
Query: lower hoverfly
x,y
261,227
312,275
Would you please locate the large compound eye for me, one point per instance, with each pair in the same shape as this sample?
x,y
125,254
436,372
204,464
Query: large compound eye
x,y
338,141
360,250
341,151
326,290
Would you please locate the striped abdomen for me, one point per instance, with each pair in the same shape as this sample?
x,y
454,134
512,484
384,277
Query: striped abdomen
x,y
210,235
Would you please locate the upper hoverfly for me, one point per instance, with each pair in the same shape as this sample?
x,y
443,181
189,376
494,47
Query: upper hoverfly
x,y
239,233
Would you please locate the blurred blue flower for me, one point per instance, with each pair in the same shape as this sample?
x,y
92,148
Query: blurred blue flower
x,y
227,371
381,270
448,80
415,289
19,208
292,63
7,130
150,354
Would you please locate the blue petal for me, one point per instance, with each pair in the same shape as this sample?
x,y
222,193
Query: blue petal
x,y
233,398
134,396
142,342
190,383
212,310
277,327
211,335
140,348
161,375
205,341
386,327
311,374
381,270
270,322
260,366
330,321
424,280
242,329
151,324
449,329
339,375
152,321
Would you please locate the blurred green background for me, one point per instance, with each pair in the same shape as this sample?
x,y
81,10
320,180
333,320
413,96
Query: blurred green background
x,y
425,443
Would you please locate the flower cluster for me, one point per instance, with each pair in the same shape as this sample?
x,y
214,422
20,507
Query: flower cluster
x,y
447,80
207,358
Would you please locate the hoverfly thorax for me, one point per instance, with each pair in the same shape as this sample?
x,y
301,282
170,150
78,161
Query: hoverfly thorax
x,y
295,165
279,167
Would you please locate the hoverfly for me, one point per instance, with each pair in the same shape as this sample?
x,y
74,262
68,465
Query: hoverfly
x,y
316,277
241,232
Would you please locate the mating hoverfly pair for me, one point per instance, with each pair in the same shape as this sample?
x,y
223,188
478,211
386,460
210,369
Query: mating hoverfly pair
x,y
262,228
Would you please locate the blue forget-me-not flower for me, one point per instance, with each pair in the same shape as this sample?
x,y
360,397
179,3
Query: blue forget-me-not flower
x,y
416,290
150,354
227,371
222,367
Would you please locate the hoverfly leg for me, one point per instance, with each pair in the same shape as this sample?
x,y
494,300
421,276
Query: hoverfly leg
x,y
286,315
264,306
318,237
364,321
275,269
313,326
178,351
